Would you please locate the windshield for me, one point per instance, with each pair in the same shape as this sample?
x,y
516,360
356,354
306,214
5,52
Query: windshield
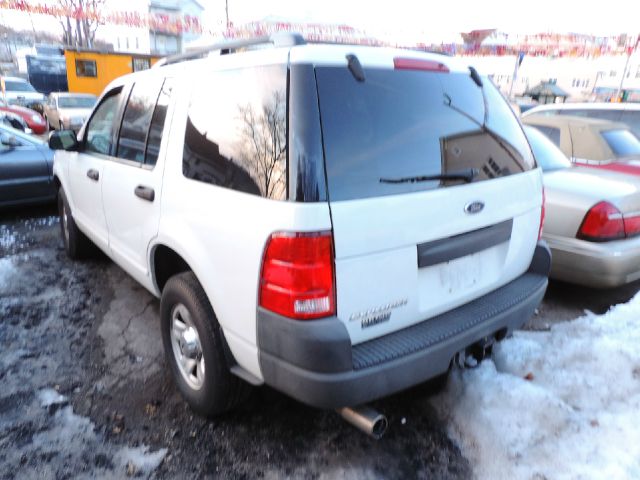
x,y
76,102
18,86
400,124
548,156
623,143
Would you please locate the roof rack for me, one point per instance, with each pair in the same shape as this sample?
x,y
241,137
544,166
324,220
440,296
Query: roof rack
x,y
281,39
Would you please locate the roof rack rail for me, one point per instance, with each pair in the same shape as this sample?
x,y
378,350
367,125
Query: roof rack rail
x,y
281,39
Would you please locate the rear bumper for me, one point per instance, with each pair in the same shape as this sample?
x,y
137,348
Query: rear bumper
x,y
598,265
315,363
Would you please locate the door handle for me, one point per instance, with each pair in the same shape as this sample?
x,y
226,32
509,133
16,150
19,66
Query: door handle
x,y
93,174
146,193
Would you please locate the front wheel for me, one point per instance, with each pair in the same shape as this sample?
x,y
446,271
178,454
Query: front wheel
x,y
194,348
76,243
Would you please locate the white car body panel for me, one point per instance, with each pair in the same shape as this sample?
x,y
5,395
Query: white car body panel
x,y
381,267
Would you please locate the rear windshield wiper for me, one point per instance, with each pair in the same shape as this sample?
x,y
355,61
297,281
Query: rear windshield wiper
x,y
467,175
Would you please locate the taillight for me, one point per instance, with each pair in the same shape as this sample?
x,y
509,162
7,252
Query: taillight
x,y
542,210
297,278
400,63
631,224
601,223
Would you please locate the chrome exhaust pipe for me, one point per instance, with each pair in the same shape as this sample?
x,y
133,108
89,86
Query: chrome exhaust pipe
x,y
365,419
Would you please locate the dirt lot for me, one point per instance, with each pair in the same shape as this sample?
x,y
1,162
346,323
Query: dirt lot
x,y
84,391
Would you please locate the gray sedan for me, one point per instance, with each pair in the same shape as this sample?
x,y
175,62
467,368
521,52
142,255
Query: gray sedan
x,y
26,165
592,221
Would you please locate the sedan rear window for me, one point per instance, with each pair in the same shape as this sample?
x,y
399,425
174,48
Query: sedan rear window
x,y
623,143
398,125
12,86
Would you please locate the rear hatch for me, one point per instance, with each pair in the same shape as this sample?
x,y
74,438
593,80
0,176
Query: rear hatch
x,y
409,246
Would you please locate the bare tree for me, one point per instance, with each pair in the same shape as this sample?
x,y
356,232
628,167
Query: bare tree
x,y
81,22
264,144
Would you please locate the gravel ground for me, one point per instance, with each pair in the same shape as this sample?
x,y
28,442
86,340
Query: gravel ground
x,y
85,393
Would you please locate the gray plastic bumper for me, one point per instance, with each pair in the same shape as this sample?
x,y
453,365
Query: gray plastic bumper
x,y
315,363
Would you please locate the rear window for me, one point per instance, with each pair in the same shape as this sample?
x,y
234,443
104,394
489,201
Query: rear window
x,y
404,124
12,86
623,143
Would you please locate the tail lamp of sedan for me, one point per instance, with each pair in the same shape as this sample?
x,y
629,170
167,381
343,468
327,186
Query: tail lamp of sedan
x,y
604,222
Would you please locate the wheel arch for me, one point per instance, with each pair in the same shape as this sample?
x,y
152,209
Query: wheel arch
x,y
166,262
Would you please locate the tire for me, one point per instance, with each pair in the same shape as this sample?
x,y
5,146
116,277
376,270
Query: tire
x,y
76,243
199,365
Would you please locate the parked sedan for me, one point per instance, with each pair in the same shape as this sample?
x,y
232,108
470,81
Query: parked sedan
x,y
592,221
68,111
26,165
587,140
14,121
33,119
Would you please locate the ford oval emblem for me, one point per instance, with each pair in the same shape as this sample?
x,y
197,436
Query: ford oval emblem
x,y
474,207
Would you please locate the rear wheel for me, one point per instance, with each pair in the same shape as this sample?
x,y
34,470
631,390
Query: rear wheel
x,y
194,348
76,243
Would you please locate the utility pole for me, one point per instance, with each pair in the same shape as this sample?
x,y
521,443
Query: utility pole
x,y
226,10
624,74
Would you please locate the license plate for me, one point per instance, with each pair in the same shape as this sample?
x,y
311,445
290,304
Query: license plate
x,y
460,274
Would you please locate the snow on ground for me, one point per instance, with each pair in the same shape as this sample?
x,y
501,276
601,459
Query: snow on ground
x,y
560,404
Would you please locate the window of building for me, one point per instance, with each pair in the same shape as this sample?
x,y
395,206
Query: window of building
x,y
86,68
140,64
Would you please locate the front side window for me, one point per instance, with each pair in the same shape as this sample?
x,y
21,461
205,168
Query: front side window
x,y
136,120
101,127
236,134
86,68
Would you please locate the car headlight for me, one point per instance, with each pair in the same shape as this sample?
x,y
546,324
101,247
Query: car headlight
x,y
36,118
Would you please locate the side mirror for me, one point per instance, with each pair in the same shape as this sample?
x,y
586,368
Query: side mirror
x,y
63,140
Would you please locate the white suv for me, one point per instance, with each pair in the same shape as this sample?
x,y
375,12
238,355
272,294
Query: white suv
x,y
338,222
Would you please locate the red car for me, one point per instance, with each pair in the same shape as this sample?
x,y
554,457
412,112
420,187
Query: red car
x,y
34,120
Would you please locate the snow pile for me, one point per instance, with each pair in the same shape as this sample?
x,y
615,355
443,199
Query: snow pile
x,y
139,460
558,404
48,397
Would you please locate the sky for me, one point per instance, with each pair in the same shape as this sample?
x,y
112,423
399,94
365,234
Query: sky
x,y
619,16
408,19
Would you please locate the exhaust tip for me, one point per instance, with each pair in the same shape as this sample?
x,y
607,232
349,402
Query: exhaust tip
x,y
366,419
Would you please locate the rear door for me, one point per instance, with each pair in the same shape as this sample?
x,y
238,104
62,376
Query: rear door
x,y
133,179
408,247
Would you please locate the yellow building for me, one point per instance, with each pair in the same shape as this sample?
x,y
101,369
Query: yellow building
x,y
90,71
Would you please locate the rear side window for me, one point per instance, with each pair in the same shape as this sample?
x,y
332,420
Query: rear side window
x,y
623,143
632,119
236,133
137,119
405,124
551,133
157,123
